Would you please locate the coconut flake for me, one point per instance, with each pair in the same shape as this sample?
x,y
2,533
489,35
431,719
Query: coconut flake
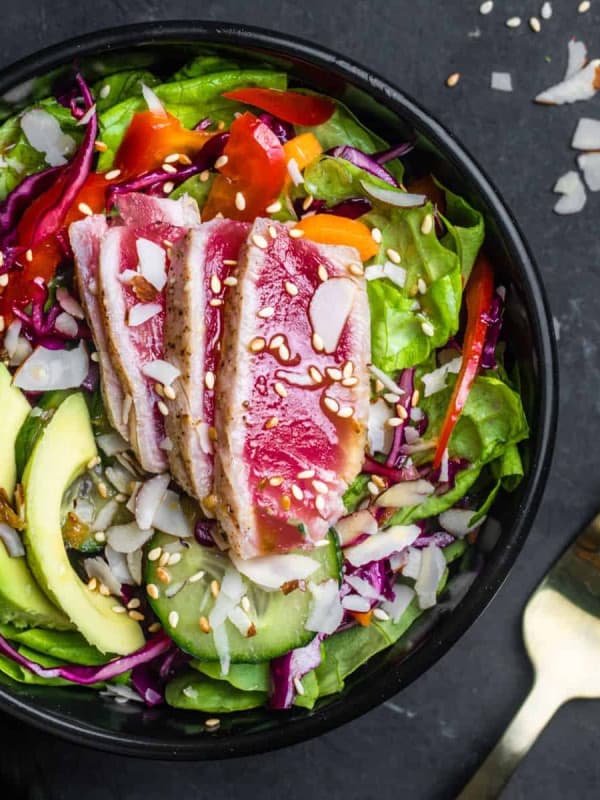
x,y
571,187
363,587
161,371
501,81
394,197
352,602
68,303
141,313
134,565
12,541
330,308
118,565
119,477
546,10
350,528
326,612
374,272
456,521
149,498
433,566
576,59
170,517
105,516
112,443
152,263
47,370
404,494
379,434
395,273
152,100
271,572
99,569
581,86
587,134
403,597
127,538
382,545
435,381
412,565
67,325
44,134
589,164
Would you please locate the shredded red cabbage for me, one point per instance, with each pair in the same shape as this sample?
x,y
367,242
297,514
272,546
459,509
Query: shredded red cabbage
x,y
203,532
378,574
395,474
351,208
439,538
494,321
455,465
397,151
149,679
284,131
39,326
291,666
364,161
407,384
204,123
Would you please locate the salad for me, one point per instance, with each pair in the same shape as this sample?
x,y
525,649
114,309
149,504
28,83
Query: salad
x,y
255,397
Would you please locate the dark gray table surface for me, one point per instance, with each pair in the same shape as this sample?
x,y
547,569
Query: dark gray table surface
x,y
425,742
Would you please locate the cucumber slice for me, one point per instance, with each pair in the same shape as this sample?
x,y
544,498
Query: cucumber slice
x,y
279,618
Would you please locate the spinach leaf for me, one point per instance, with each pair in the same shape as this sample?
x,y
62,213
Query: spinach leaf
x,y
246,677
65,646
198,693
196,188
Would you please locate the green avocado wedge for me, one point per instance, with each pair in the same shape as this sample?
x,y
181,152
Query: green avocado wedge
x,y
21,601
61,454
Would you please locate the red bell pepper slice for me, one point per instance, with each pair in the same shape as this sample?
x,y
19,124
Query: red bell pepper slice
x,y
478,296
253,173
299,109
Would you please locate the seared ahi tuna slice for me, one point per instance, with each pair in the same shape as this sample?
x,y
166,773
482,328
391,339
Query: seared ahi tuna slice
x,y
292,391
142,209
199,278
86,236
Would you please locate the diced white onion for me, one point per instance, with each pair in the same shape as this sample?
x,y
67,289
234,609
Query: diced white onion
x,y
382,545
352,602
152,100
456,521
271,572
161,371
395,273
12,541
141,313
152,263
329,309
67,325
326,612
589,164
127,538
394,197
573,193
68,303
148,500
435,380
44,134
433,565
404,494
47,370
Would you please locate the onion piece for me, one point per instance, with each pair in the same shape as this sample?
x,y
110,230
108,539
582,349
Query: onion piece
x,y
379,434
589,164
118,565
395,608
581,86
576,59
68,303
12,541
238,617
105,516
433,565
230,594
394,197
271,572
44,134
374,272
395,273
587,134
294,172
128,538
405,494
47,370
574,197
141,313
326,611
501,81
456,521
152,263
435,380
352,602
170,517
161,372
351,527
329,309
152,100
382,545
11,337
149,498
112,443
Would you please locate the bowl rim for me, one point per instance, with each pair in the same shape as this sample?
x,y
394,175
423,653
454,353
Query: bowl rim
x,y
451,627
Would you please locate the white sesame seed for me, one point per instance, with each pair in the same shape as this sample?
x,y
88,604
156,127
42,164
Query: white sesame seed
x,y
172,158
276,342
394,422
546,10
102,490
174,558
486,7
215,284
402,412
322,273
4,280
272,422
298,686
119,609
584,6
162,407
169,169
212,723
168,187
315,375
379,613
284,352
133,603
164,559
104,91
197,576
421,286
274,208
320,487
348,369
452,80
513,22
291,288
393,255
230,281
266,313
136,615
121,498
245,603
427,328
240,201
169,392
305,474
154,554
334,373
29,255
297,492
377,235
112,174
535,24
159,389
356,269
276,480
373,488
209,380
349,382
346,412
173,619
317,343
221,161
272,231
416,396
320,503
296,233
331,404
100,537
204,175
85,209
93,462
280,389
257,344
260,241
427,224
215,302
104,590
307,202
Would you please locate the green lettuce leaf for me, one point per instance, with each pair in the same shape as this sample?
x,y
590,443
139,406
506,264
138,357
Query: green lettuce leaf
x,y
122,86
204,65
466,230
198,693
68,647
246,677
356,493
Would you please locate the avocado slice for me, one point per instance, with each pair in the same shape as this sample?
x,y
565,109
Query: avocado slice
x,y
60,455
22,603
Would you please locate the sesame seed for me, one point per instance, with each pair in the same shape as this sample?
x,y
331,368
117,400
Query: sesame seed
x,y
4,280
93,462
280,389
315,375
215,284
277,480
378,481
377,235
317,343
168,187
393,255
452,80
245,604
320,487
297,492
169,392
379,613
394,422
221,161
172,158
421,286
331,404
427,328
112,174
212,723
240,201
163,560
174,558
154,628
373,488
349,382
276,342
291,288
298,685
356,270
286,502
104,91
296,233
272,422
92,584
230,262
2,324
390,397
486,7
535,24
121,498
204,625
348,369
307,202
210,501
29,255
136,615
204,175
272,231
513,22
266,313
159,389
104,590
212,434
402,412
322,272
346,412
100,147
306,473
169,169
427,224
221,125
215,302
162,575
230,281
119,609
584,6
85,209
185,160
173,619
162,407
95,357
416,396
320,503
133,603
334,373
102,490
274,208
284,352
215,588
209,380
260,241
197,576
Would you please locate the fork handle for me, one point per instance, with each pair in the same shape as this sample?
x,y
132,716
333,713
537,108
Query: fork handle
x,y
538,708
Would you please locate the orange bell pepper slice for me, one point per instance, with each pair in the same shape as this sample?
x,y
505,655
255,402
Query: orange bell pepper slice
x,y
331,229
363,618
304,149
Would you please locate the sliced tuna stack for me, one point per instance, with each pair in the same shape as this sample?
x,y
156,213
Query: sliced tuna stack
x,y
292,391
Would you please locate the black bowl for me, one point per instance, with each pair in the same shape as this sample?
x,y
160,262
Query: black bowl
x,y
84,717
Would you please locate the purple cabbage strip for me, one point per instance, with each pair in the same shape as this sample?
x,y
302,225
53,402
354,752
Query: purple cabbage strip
x,y
85,676
203,532
379,575
397,151
153,181
394,474
407,384
284,131
363,161
439,538
204,123
285,669
494,321
351,208
39,327
455,465
149,679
